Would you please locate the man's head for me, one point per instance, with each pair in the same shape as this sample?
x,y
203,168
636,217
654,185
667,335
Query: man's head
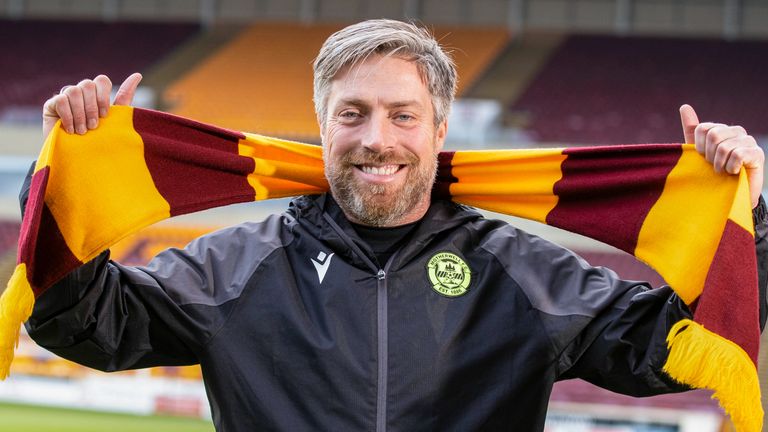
x,y
383,90
353,44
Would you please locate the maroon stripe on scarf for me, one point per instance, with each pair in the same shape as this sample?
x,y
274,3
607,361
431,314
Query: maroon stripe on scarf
x,y
42,244
445,177
194,166
606,192
725,306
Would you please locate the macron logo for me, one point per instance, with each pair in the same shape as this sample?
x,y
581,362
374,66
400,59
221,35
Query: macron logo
x,y
322,264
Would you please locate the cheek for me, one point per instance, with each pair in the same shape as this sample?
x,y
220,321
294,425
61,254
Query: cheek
x,y
335,141
421,141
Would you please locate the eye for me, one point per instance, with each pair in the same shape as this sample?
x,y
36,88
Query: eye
x,y
350,115
404,117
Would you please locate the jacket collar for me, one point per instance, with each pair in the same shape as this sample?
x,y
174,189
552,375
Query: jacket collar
x,y
324,218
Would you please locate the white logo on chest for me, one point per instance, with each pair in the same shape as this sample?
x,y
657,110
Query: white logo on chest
x,y
322,264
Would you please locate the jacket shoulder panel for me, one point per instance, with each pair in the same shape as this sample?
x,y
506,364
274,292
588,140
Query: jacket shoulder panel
x,y
554,279
215,268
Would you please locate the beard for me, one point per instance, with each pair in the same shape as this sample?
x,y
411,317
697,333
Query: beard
x,y
380,205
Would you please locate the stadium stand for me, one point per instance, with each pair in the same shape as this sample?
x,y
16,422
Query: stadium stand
x,y
620,90
261,81
41,56
139,248
584,392
9,235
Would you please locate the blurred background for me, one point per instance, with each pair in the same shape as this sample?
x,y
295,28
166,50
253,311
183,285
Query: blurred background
x,y
533,73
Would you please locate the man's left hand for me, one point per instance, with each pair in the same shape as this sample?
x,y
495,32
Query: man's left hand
x,y
727,148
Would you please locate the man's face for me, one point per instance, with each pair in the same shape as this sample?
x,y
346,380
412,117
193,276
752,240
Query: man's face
x,y
380,142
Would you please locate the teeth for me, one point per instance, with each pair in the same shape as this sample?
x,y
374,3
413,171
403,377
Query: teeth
x,y
383,170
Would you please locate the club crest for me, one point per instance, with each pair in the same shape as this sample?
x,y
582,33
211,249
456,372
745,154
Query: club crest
x,y
449,274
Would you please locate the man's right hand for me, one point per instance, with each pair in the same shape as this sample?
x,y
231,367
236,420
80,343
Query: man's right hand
x,y
80,106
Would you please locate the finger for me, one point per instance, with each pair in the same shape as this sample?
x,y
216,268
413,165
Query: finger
x,y
90,104
128,89
722,157
74,96
690,120
103,92
700,136
55,108
751,157
719,135
744,155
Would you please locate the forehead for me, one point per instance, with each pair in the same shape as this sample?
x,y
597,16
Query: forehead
x,y
380,78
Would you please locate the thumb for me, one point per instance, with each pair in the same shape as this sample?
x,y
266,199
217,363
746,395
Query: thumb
x,y
127,90
690,120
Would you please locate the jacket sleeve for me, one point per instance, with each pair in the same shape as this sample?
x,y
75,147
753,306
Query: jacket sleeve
x,y
624,347
112,317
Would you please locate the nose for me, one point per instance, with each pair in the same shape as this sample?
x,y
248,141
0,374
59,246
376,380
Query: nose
x,y
377,135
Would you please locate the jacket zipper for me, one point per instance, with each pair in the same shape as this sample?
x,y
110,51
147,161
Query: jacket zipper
x,y
383,354
382,329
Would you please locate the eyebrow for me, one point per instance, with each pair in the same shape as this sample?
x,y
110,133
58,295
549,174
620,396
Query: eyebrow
x,y
396,104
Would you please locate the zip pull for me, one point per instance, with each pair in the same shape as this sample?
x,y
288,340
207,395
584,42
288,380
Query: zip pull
x,y
381,275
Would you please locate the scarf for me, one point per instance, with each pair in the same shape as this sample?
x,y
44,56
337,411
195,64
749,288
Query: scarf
x,y
663,203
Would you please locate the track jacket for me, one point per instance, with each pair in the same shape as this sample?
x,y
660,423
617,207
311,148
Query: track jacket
x,y
298,328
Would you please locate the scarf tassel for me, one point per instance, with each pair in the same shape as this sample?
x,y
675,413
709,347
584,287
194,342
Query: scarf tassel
x,y
703,359
16,305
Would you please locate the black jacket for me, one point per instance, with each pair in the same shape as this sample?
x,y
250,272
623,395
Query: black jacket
x,y
298,328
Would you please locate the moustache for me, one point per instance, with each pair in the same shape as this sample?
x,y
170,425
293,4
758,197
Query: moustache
x,y
368,157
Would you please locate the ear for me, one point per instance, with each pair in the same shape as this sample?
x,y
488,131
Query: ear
x,y
440,133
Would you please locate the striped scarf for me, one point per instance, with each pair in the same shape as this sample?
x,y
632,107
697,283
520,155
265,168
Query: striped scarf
x,y
662,203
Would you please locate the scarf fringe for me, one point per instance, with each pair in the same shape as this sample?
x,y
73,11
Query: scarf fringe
x,y
703,359
16,305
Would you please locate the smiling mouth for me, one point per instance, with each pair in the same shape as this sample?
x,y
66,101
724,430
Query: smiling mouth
x,y
379,170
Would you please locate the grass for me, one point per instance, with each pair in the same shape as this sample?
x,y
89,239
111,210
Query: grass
x,y
27,418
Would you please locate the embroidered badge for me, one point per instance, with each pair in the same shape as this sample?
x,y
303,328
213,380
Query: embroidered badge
x,y
449,274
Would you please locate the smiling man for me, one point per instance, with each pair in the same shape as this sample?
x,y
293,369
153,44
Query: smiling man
x,y
381,134
375,307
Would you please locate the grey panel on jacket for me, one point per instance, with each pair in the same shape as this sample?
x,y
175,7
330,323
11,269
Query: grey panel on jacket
x,y
215,268
555,280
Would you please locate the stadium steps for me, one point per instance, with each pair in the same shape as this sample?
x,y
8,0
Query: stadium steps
x,y
187,57
514,69
474,49
603,89
261,81
116,49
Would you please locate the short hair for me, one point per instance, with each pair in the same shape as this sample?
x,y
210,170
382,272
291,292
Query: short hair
x,y
353,44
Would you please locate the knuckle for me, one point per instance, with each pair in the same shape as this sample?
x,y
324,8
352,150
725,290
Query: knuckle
x,y
723,150
103,79
715,135
738,153
73,91
52,102
87,85
60,102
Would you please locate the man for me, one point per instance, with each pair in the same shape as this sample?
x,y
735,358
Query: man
x,y
323,318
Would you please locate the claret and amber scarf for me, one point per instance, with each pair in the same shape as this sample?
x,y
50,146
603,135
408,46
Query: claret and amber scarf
x,y
662,203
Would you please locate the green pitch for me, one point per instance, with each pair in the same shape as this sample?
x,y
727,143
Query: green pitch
x,y
25,418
